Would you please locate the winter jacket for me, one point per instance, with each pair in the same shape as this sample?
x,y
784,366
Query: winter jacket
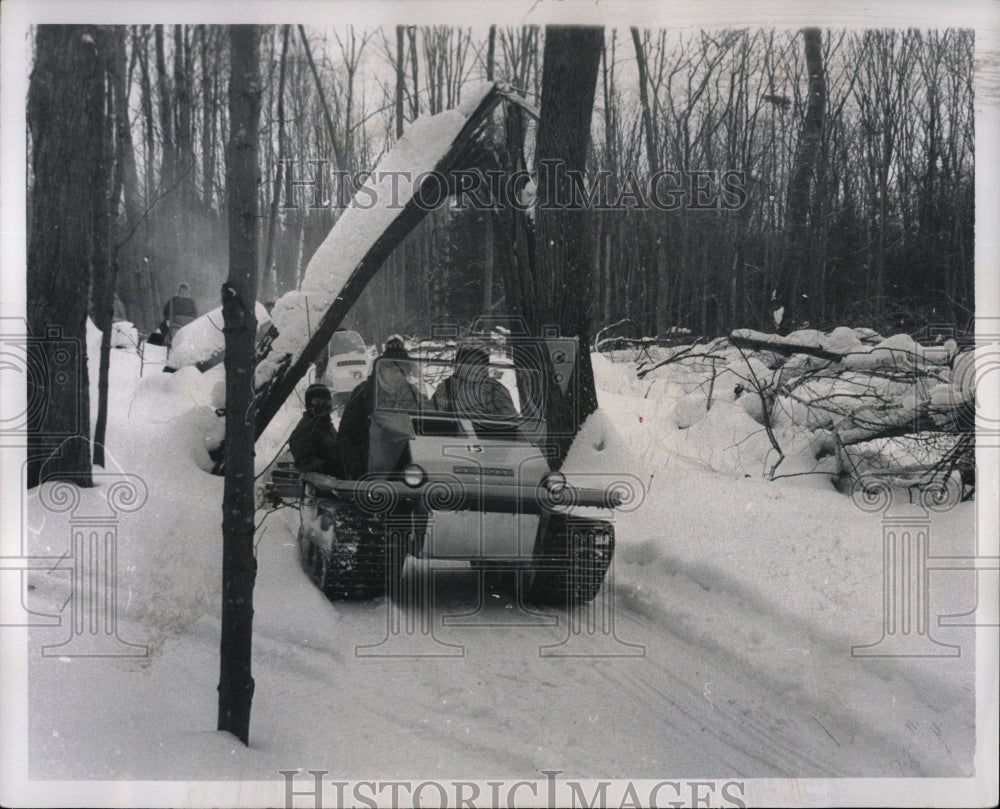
x,y
352,440
179,306
314,446
395,394
478,395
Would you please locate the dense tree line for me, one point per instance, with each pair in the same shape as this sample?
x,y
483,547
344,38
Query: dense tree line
x,y
883,211
887,222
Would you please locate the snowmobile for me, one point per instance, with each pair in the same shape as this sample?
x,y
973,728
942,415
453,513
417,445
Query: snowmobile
x,y
459,480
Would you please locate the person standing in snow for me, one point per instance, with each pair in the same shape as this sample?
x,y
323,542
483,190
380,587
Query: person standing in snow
x,y
180,305
314,440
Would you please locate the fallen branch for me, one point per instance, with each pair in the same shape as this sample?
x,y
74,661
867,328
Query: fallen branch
x,y
680,355
765,414
785,349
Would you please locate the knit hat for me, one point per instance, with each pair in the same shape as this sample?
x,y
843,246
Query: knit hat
x,y
317,391
395,349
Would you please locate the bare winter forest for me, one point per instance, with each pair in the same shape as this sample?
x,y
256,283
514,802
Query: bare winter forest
x,y
851,153
756,262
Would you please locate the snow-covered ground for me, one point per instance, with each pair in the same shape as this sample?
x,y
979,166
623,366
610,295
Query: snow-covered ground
x,y
720,648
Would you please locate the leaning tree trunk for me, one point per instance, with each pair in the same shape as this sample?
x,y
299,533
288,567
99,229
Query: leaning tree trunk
x,y
65,116
797,208
489,247
239,566
563,263
462,154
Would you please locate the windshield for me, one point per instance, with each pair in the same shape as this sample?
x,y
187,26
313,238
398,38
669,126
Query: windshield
x,y
346,342
491,391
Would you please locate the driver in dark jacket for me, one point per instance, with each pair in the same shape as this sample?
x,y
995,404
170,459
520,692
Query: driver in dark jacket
x,y
470,391
314,440
394,391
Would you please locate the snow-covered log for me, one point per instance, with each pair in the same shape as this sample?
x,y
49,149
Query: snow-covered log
x,y
852,348
202,343
888,403
875,389
398,194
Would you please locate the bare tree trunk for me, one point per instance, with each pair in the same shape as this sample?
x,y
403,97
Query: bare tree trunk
x,y
652,152
415,65
239,565
144,281
107,188
269,285
170,237
127,177
185,151
801,180
210,116
656,259
169,163
562,290
146,102
207,119
400,79
65,116
126,168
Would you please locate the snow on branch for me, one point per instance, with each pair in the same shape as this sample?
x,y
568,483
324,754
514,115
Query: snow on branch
x,y
845,346
850,397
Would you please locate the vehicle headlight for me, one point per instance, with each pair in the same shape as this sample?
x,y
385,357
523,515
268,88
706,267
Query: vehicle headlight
x,y
555,482
413,475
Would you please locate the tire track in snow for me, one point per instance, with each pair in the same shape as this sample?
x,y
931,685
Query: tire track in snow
x,y
788,659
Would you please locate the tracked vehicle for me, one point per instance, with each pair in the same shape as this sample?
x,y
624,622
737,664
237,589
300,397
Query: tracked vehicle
x,y
461,478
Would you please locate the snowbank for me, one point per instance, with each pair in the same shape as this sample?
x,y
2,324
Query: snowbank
x,y
704,407
160,429
833,405
202,340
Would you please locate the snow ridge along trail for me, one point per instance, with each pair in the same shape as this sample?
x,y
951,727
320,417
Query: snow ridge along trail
x,y
743,598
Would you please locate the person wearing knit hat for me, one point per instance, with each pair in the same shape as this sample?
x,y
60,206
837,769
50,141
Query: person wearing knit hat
x,y
314,440
317,395
395,348
394,391
470,391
